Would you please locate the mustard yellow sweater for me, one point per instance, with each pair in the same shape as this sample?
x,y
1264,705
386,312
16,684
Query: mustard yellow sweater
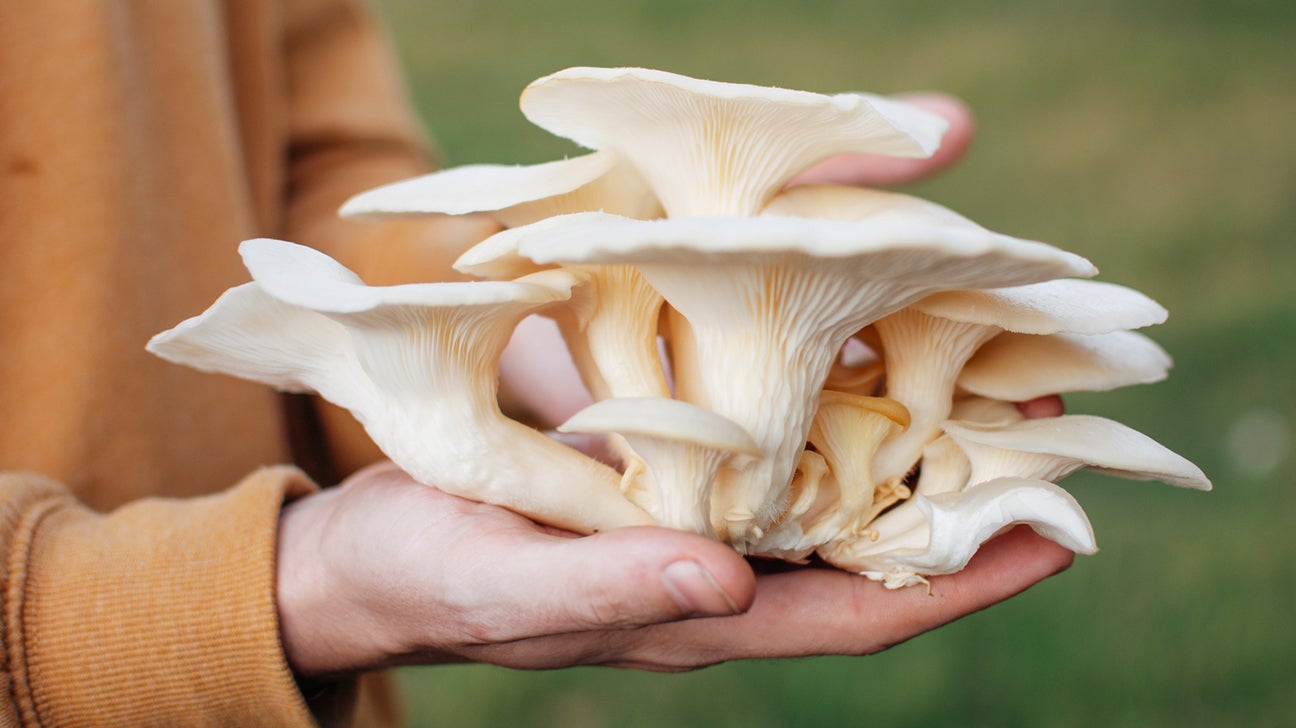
x,y
140,141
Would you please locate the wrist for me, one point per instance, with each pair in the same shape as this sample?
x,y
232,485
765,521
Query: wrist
x,y
312,612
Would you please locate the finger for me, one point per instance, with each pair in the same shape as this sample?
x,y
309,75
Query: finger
x,y
823,611
1050,406
617,580
871,170
539,382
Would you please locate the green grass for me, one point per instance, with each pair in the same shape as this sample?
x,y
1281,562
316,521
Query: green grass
x,y
1153,137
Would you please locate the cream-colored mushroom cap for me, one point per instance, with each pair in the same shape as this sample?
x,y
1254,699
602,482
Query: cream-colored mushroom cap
x,y
662,419
1050,448
939,534
514,194
1062,305
1021,367
711,148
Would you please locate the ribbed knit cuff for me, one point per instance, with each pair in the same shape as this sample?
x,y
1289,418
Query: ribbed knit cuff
x,y
160,613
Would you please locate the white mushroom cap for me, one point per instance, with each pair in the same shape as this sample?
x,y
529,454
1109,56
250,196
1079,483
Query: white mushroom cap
x,y
514,194
416,364
804,285
1051,448
1021,367
1050,307
927,536
709,148
682,446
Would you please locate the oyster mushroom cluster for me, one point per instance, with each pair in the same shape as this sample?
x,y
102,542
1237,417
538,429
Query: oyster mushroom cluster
x,y
841,363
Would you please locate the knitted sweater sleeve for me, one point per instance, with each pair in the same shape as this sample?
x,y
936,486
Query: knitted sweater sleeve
x,y
100,621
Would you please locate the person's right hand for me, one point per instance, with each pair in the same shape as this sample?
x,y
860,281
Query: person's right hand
x,y
384,571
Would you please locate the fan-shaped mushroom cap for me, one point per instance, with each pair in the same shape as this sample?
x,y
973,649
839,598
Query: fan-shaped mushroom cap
x,y
1050,307
1021,367
710,148
1051,448
682,446
772,300
416,364
927,536
514,194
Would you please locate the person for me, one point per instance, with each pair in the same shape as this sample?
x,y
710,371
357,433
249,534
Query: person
x,y
160,562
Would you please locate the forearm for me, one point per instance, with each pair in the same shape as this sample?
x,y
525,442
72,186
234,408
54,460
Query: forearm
x,y
161,608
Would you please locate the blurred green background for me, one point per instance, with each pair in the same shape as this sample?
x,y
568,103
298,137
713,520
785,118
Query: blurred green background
x,y
1155,138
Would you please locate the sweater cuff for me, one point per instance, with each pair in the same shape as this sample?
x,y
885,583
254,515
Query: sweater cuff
x,y
160,613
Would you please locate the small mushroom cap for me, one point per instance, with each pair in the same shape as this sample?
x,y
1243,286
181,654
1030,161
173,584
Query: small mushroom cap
x,y
497,257
863,404
1074,306
1104,445
478,188
939,534
1021,367
306,277
662,419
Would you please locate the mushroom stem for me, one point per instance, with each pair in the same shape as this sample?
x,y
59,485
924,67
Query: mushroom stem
x,y
924,355
681,447
613,341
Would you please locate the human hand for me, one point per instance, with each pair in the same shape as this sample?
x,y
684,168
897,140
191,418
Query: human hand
x,y
384,571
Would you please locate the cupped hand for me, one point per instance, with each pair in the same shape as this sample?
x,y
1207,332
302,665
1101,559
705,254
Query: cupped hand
x,y
384,571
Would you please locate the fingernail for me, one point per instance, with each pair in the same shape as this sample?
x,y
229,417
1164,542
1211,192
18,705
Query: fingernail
x,y
697,591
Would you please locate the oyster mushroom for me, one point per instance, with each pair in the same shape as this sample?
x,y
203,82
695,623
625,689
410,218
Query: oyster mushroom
x,y
710,148
771,300
928,346
938,534
682,447
513,194
416,364
1020,367
1052,448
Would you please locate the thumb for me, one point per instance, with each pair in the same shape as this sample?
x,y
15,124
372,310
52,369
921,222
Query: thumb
x,y
633,577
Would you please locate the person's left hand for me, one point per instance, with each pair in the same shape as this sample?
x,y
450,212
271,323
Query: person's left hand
x,y
385,571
